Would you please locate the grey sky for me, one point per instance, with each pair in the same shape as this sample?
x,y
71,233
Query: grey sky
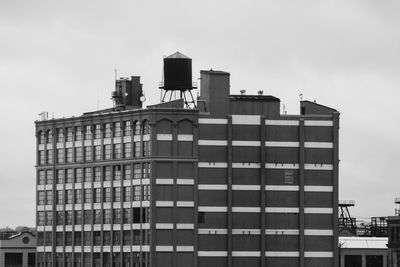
x,y
59,56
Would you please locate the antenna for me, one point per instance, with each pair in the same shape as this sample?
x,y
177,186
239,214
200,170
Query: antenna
x,y
115,72
301,96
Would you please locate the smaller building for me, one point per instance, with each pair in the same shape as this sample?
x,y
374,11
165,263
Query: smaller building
x,y
394,241
18,250
363,251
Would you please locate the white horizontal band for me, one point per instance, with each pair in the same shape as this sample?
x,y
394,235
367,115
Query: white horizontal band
x,y
185,137
212,253
164,137
281,144
318,210
185,204
164,203
281,165
165,248
212,121
246,253
282,254
212,187
212,165
318,123
314,188
246,187
203,231
246,119
282,122
318,232
185,248
245,143
318,166
213,143
187,226
281,210
164,181
246,231
164,226
282,231
246,209
246,165
185,181
212,209
282,187
318,145
318,254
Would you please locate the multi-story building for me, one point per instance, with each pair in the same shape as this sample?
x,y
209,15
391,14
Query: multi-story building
x,y
229,183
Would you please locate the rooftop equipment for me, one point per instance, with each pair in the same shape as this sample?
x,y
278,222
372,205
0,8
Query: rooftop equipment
x,y
347,224
178,79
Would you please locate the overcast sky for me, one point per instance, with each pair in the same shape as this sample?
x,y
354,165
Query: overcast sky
x,y
60,56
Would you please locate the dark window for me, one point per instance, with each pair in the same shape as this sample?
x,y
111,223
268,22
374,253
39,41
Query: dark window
x,y
352,261
374,261
13,259
117,172
78,217
107,216
201,217
87,216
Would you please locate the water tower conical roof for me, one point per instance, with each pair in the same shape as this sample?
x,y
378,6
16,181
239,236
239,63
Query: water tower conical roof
x,y
177,54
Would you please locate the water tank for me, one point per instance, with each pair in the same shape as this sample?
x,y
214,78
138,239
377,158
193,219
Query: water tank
x,y
177,72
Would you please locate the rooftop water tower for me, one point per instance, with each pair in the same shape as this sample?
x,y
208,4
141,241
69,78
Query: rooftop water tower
x,y
178,79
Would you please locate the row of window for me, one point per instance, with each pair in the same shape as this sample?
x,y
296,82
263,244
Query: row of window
x,y
106,216
96,131
96,174
89,153
95,195
108,259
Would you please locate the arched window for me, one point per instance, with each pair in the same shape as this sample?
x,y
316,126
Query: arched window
x,y
146,127
137,128
49,136
41,137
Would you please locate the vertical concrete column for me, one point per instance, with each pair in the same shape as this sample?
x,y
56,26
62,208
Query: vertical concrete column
x,y
335,174
229,195
301,193
363,260
263,192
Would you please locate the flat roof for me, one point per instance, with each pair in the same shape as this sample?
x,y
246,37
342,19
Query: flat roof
x,y
363,242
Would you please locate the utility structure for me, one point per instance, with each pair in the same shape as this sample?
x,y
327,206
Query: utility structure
x,y
177,79
347,224
397,210
231,183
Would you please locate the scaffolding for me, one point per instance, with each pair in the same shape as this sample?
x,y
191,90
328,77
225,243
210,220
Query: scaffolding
x,y
347,224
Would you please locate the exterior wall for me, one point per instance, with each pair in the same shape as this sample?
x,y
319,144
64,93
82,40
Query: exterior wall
x,y
24,244
363,254
394,241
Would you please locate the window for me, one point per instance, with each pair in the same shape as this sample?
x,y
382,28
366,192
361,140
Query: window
x,y
49,197
97,217
49,176
117,172
88,132
107,173
107,151
40,242
117,151
97,131
78,133
49,217
137,193
68,242
77,242
117,129
126,216
97,195
68,196
78,154
106,216
70,176
78,175
60,197
49,242
289,177
136,237
49,137
87,216
88,195
68,217
41,137
107,130
41,157
97,152
137,171
136,215
59,242
146,148
106,238
60,135
137,128
60,176
69,155
126,194
146,170
41,218
127,172
97,174
69,135
41,197
146,192
60,155
127,150
117,216
116,241
127,128
107,194
41,177
88,174
146,127
78,217
78,196
96,240
137,150
117,194
49,156
201,217
87,241
59,217
88,153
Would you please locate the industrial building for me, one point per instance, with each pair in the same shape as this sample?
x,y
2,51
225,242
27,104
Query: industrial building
x,y
223,180
17,249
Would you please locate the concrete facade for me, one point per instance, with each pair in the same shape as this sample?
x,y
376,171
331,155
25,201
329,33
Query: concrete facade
x,y
394,241
231,183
